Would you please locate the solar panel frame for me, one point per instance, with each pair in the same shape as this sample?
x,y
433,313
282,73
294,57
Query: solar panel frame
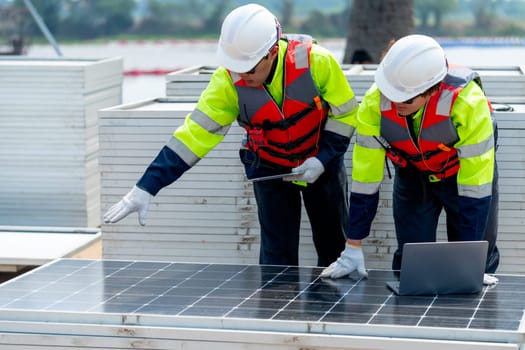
x,y
256,298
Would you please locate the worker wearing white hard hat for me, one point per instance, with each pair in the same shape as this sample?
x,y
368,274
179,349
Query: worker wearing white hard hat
x,y
412,66
247,35
435,124
299,113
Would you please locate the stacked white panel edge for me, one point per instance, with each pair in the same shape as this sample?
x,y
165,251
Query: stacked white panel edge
x,y
498,82
186,221
49,138
210,215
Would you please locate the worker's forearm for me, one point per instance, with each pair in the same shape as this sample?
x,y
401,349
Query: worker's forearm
x,y
162,171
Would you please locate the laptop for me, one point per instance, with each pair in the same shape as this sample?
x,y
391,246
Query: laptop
x,y
432,268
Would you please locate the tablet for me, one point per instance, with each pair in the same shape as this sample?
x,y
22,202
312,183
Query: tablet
x,y
272,177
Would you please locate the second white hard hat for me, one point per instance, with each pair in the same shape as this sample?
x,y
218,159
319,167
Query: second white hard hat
x,y
247,34
411,66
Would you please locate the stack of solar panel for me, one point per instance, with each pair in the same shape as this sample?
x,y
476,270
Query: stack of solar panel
x,y
382,242
498,82
49,138
190,81
503,84
360,77
209,214
510,156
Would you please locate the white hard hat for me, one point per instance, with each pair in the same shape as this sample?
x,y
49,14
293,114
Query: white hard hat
x,y
247,34
411,66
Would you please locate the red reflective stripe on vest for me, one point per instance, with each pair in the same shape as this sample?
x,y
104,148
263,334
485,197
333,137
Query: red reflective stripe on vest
x,y
284,136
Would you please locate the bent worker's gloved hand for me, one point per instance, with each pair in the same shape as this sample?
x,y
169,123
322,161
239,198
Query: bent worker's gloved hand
x,y
351,259
309,171
490,280
136,200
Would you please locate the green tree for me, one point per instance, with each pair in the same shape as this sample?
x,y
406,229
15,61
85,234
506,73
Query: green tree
x,y
286,13
213,21
49,11
485,15
320,24
116,16
513,9
184,18
159,18
431,13
88,19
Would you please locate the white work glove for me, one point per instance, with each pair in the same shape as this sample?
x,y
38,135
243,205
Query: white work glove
x,y
489,280
309,171
351,259
136,200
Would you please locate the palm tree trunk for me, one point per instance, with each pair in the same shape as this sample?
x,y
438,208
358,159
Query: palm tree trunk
x,y
374,23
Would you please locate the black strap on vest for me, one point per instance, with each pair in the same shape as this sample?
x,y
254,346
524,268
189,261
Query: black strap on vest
x,y
424,156
292,157
288,146
292,120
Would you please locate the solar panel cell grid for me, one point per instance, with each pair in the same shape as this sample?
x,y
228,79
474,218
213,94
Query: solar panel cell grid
x,y
253,292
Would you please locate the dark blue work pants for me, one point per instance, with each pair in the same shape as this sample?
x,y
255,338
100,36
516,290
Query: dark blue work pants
x,y
279,209
417,204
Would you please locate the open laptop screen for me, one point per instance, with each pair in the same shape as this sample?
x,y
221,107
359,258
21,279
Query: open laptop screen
x,y
442,268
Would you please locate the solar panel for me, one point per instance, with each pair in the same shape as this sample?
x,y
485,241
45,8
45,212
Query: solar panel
x,y
255,296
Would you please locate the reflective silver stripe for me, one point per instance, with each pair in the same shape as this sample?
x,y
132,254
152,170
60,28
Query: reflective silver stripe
x,y
477,149
444,105
475,191
235,77
346,107
208,124
182,151
339,128
367,141
301,56
365,187
384,103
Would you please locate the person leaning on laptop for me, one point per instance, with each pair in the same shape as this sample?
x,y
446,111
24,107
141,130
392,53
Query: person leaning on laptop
x,y
435,123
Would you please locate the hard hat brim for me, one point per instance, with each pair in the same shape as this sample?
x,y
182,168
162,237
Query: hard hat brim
x,y
392,93
236,65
